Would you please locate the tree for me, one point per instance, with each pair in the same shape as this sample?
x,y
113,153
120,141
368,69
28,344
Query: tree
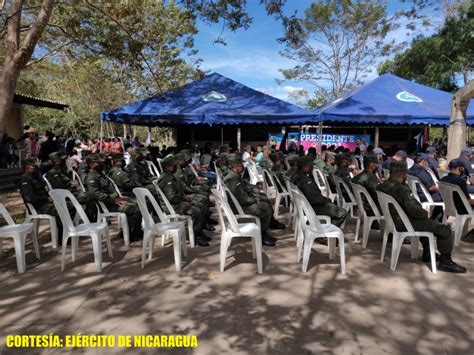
x,y
339,44
444,60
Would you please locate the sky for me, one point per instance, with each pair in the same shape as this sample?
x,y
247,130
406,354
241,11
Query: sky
x,y
252,56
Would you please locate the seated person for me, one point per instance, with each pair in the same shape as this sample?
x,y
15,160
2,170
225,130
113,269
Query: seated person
x,y
369,181
399,155
456,170
396,187
321,205
419,170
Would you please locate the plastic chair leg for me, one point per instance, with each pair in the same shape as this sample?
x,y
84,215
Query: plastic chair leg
x,y
54,232
36,245
356,238
108,242
177,251
384,244
253,248
306,253
432,254
258,251
63,251
146,241
415,244
366,231
19,242
151,243
225,243
342,254
277,205
97,247
74,245
184,248
125,230
458,230
190,225
396,247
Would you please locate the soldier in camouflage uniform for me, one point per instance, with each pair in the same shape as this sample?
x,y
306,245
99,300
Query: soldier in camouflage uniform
x,y
293,163
369,181
251,202
321,205
83,168
197,182
120,176
342,171
279,167
33,190
182,204
101,189
396,187
329,169
138,169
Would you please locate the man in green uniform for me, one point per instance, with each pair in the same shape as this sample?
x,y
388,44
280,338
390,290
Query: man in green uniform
x,y
138,169
279,167
33,190
396,187
120,176
321,205
252,203
182,204
83,168
101,189
342,171
293,163
329,169
369,181
197,182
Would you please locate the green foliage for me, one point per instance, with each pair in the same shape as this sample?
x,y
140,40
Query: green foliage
x,y
339,44
442,59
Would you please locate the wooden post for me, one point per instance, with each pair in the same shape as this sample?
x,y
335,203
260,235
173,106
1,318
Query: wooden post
x,y
239,137
376,138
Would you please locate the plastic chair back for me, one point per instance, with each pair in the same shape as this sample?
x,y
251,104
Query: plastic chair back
x,y
234,200
385,202
447,192
6,216
152,168
306,213
60,197
342,185
360,191
433,175
278,185
50,187
159,164
78,178
416,185
167,203
143,195
225,211
114,185
410,162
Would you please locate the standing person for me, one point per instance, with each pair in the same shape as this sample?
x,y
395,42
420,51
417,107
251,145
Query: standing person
x,y
247,155
379,154
396,187
31,144
50,145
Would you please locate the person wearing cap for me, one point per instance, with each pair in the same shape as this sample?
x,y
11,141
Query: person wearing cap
x,y
321,205
33,190
465,157
221,163
320,161
182,204
456,171
432,162
379,155
251,203
138,169
369,181
101,189
200,183
396,187
83,168
293,163
279,167
419,170
121,177
343,161
399,155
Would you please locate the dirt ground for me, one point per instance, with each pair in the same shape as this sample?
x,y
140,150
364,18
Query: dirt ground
x,y
371,310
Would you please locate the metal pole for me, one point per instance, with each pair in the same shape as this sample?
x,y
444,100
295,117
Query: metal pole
x,y
239,137
101,134
222,135
320,135
376,138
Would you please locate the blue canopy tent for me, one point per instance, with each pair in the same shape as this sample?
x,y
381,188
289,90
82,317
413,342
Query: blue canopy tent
x,y
390,100
213,100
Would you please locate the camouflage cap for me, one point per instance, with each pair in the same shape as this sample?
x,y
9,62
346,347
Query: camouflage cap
x,y
168,160
233,160
306,160
57,155
398,166
32,162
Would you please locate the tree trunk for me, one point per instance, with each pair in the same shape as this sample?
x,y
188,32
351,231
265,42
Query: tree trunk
x,y
457,128
8,80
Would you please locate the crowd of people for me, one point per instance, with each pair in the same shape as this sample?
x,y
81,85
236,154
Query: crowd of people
x,y
187,175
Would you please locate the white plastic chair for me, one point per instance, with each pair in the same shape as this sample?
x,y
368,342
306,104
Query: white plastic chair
x,y
268,184
385,202
321,180
312,229
234,229
410,162
255,177
241,216
18,232
172,216
413,182
282,194
362,216
151,229
342,202
76,176
33,217
433,176
442,173
447,192
87,229
386,173
159,164
152,168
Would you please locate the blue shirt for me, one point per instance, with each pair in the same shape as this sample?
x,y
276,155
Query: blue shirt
x,y
426,179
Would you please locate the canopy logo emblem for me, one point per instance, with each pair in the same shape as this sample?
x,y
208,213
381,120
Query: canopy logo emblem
x,y
214,96
405,96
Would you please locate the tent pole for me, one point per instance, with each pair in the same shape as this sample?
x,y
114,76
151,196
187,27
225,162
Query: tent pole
x,y
300,131
222,135
376,138
101,134
239,137
320,135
